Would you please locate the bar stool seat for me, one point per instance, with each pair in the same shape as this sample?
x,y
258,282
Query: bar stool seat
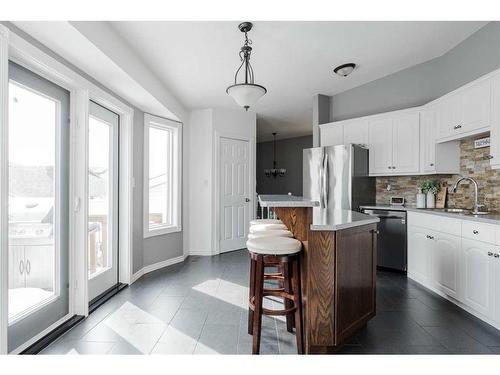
x,y
265,221
266,227
273,245
270,233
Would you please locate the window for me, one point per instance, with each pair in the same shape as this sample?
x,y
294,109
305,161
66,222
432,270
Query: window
x,y
162,175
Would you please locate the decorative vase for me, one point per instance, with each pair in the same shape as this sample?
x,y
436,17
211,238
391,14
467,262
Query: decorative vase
x,y
431,200
421,200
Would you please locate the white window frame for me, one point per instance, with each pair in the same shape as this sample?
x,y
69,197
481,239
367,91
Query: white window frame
x,y
175,175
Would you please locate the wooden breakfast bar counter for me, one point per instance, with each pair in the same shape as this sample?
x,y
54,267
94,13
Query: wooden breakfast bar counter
x,y
338,269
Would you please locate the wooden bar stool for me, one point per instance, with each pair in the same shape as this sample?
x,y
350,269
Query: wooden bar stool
x,y
270,233
266,227
265,221
281,251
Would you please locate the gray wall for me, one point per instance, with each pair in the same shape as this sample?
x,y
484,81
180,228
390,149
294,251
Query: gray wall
x,y
475,56
145,251
289,156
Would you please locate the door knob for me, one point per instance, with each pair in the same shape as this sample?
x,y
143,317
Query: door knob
x,y
496,255
490,253
247,199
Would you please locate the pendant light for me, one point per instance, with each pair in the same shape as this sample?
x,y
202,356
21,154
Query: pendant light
x,y
247,93
275,172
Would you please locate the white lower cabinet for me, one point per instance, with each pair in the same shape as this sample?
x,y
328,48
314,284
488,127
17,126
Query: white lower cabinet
x,y
419,254
496,282
446,264
465,269
477,258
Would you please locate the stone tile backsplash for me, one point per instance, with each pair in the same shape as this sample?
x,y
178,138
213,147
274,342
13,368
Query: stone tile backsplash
x,y
473,163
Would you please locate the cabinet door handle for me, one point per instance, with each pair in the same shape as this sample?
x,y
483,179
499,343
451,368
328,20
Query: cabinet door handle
x,y
457,127
475,231
490,253
490,157
431,164
28,267
496,255
21,267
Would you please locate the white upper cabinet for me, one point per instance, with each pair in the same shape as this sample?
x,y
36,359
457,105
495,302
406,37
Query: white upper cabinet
x,y
476,106
406,143
428,140
394,142
436,157
331,134
465,112
495,123
356,132
380,144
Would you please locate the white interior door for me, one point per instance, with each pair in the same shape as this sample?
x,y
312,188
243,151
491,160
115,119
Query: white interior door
x,y
102,244
234,193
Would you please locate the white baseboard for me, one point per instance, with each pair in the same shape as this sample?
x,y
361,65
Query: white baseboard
x,y
156,266
200,253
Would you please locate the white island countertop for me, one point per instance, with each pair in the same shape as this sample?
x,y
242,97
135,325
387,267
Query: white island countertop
x,y
339,219
283,200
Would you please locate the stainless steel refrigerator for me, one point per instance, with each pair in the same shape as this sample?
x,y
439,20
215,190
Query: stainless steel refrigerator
x,y
337,177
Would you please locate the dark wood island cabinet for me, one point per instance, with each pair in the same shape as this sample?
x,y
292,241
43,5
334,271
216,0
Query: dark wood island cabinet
x,y
338,272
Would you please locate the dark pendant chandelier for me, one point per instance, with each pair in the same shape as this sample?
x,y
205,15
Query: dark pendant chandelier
x,y
247,93
275,172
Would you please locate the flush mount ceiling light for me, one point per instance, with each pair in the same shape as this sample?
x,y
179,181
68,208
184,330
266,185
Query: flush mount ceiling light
x,y
345,69
247,93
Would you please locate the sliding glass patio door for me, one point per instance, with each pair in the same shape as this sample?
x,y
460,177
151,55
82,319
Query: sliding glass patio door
x,y
38,207
102,235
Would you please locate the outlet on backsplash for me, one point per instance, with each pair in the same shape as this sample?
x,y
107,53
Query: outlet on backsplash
x,y
473,163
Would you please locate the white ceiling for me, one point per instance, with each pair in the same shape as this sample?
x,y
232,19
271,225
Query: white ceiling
x,y
293,60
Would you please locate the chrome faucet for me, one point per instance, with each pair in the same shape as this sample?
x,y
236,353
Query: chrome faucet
x,y
477,205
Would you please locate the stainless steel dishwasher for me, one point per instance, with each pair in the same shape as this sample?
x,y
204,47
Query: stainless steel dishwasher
x,y
391,243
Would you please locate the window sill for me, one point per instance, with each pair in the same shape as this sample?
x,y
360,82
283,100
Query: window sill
x,y
162,231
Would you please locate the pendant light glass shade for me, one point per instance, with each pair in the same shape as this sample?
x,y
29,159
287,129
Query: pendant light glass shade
x,y
246,94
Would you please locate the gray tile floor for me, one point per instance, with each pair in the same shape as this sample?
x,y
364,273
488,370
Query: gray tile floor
x,y
200,307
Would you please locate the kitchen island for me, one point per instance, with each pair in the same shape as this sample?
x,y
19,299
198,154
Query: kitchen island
x,y
338,269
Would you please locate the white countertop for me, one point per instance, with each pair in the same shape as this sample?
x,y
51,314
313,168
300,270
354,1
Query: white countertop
x,y
283,200
341,219
493,218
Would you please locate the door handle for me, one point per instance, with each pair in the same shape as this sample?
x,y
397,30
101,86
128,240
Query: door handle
x,y
28,267
497,255
490,253
247,199
21,267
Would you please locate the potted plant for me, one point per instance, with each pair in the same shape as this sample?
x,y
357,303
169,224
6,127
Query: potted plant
x,y
430,188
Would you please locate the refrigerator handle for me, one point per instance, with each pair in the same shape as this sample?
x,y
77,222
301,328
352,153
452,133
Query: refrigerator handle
x,y
324,181
326,184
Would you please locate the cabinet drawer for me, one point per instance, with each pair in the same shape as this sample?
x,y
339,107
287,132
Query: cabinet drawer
x,y
479,231
435,222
